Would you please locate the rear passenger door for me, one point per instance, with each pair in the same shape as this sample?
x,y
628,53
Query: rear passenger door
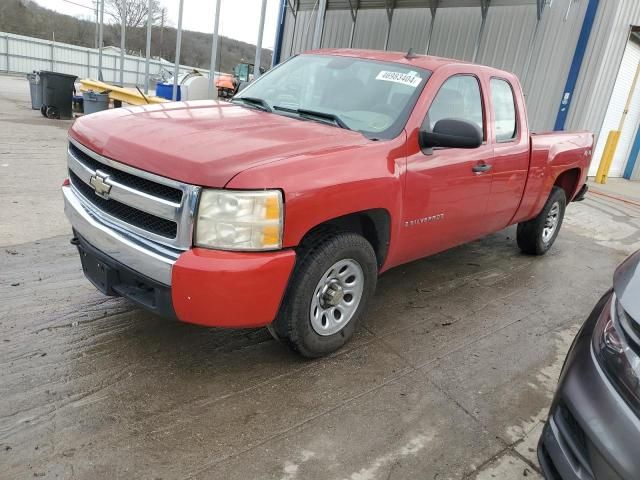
x,y
510,154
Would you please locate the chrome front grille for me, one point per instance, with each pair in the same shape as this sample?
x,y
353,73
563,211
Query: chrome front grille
x,y
154,207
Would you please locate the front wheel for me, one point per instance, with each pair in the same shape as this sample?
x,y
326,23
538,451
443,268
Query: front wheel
x,y
327,294
536,236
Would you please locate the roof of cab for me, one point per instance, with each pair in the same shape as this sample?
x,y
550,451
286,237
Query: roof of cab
x,y
427,62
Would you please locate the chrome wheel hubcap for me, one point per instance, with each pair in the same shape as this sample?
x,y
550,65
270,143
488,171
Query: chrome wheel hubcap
x,y
336,297
551,222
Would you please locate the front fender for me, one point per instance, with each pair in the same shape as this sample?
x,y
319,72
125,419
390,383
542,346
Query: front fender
x,y
332,184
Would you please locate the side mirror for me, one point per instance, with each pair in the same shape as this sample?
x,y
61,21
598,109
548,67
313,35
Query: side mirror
x,y
452,133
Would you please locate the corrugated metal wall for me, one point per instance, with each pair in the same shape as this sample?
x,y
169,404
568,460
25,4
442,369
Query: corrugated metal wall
x,y
455,32
508,33
371,29
602,62
505,44
410,29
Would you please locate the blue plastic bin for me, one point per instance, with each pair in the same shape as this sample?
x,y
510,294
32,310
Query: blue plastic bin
x,y
165,90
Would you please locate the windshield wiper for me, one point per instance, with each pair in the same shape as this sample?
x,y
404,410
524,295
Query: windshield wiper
x,y
255,102
323,117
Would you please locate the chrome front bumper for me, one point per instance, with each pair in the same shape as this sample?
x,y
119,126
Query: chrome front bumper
x,y
145,257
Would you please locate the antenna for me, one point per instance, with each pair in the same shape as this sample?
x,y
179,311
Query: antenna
x,y
410,54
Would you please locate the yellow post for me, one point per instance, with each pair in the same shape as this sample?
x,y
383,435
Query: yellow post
x,y
614,136
607,156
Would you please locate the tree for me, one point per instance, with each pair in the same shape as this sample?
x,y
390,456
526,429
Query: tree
x,y
135,12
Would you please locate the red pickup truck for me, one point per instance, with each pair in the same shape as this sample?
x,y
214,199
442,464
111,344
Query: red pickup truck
x,y
281,208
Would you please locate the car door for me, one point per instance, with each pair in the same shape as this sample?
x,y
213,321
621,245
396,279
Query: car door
x,y
510,154
447,189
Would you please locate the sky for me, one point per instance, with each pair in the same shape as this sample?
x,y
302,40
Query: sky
x,y
239,19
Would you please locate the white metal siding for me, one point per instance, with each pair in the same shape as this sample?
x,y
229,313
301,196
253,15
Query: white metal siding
x,y
455,32
337,30
410,29
507,36
371,29
621,90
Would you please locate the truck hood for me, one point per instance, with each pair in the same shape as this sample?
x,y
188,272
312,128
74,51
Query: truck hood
x,y
626,284
205,143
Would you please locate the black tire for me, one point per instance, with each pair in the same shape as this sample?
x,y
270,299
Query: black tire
x,y
43,111
532,235
293,325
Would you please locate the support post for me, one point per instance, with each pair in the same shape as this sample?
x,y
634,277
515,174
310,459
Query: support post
x,y
390,6
97,35
100,39
258,60
213,91
176,67
317,32
576,63
354,19
277,48
484,8
148,52
6,38
294,12
434,10
539,11
123,32
88,63
53,47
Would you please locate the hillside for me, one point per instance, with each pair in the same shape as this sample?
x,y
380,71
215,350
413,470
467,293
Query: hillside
x,y
24,17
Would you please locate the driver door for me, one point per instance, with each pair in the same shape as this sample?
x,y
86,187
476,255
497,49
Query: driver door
x,y
447,189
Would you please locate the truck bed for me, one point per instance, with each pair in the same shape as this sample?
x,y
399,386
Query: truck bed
x,y
555,155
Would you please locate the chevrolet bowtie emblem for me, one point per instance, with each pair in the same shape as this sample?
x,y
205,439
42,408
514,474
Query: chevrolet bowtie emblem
x,y
99,183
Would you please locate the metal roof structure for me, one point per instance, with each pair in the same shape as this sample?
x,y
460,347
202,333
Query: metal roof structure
x,y
323,8
366,4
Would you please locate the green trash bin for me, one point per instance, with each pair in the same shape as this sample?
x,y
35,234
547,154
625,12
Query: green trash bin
x,y
57,94
35,87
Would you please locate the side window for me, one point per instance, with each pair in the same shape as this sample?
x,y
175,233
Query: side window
x,y
504,109
459,97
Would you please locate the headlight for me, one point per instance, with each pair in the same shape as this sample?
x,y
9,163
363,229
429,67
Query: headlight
x,y
618,359
239,220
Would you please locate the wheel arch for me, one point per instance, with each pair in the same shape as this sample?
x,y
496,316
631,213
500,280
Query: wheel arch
x,y
568,181
374,225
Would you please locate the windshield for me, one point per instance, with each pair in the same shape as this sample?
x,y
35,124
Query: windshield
x,y
372,97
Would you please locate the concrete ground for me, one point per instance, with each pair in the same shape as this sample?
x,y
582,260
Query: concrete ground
x,y
628,189
450,376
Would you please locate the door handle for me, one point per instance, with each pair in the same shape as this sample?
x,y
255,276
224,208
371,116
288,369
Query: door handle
x,y
481,168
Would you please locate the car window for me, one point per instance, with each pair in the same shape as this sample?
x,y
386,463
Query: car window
x,y
504,109
459,97
369,96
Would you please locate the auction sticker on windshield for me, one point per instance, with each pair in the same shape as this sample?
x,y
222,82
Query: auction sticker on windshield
x,y
409,79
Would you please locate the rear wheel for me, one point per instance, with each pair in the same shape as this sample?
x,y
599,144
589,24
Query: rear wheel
x,y
536,236
327,295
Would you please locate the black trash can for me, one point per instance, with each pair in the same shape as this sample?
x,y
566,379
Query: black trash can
x,y
35,87
57,94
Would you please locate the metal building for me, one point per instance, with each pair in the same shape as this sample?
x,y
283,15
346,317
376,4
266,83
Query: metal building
x,y
567,53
